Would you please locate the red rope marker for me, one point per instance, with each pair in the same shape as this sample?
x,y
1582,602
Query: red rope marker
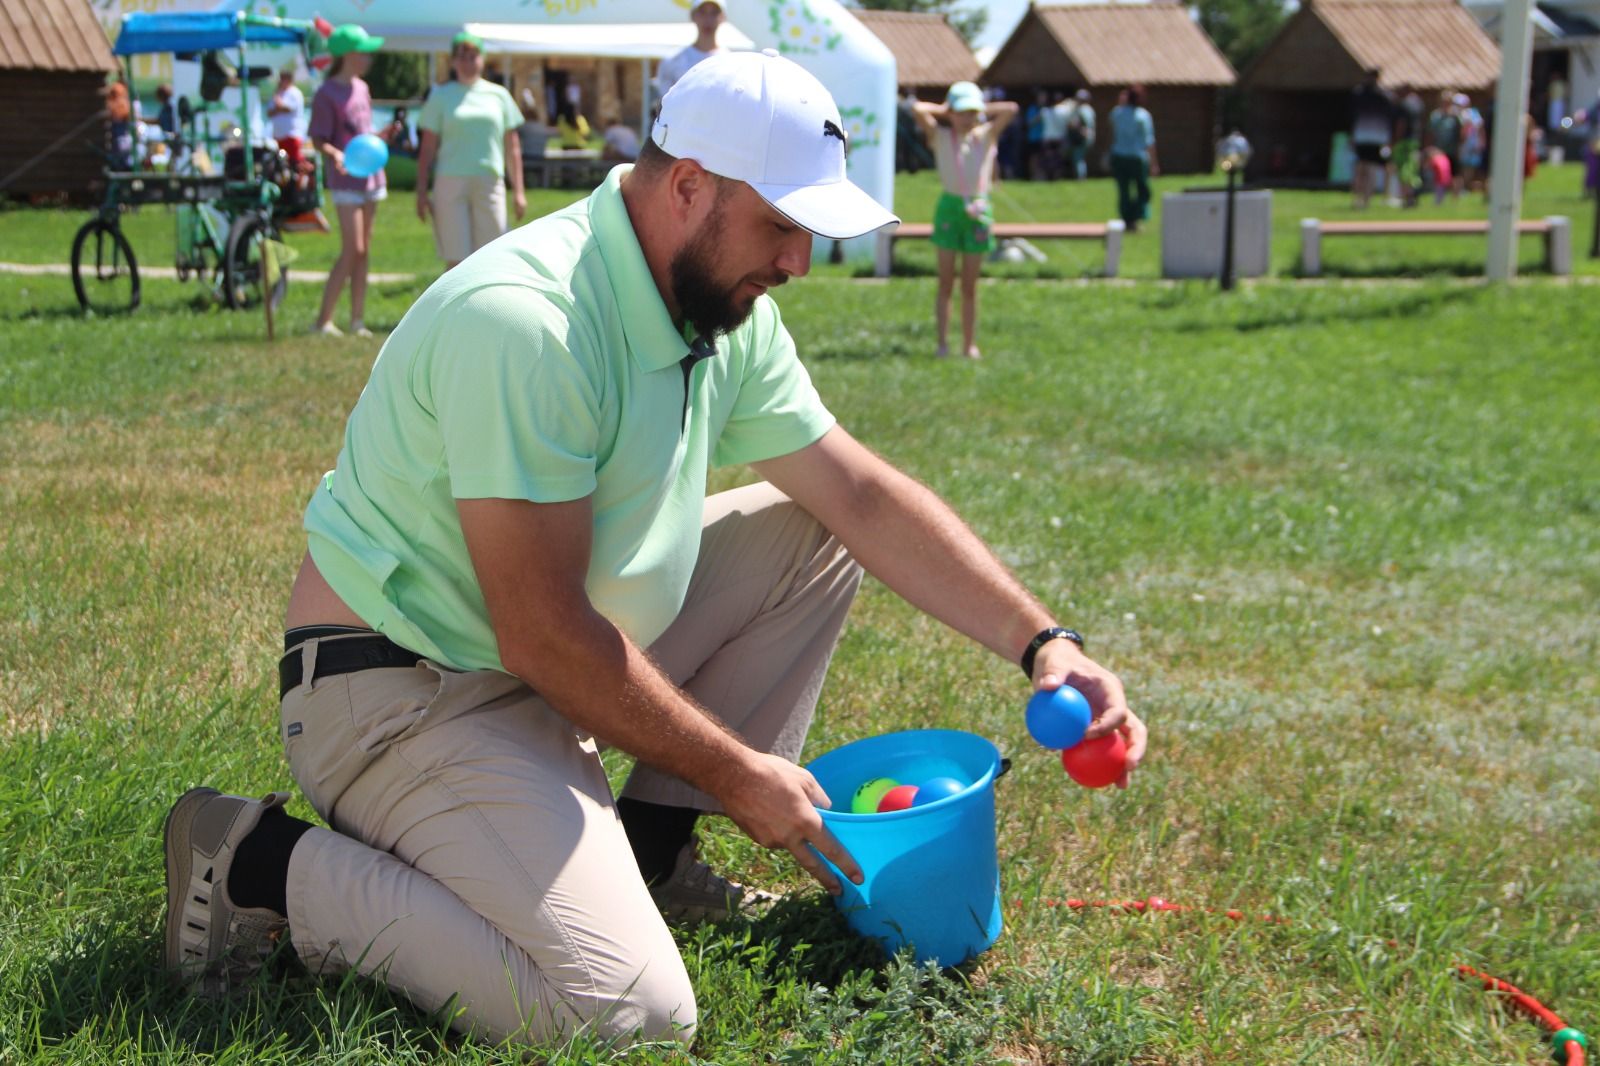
x,y
1569,1043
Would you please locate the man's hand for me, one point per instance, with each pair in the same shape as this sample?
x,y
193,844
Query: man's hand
x,y
1061,662
531,559
774,802
422,205
519,203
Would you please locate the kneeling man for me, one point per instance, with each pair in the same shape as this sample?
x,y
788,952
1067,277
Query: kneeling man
x,y
514,562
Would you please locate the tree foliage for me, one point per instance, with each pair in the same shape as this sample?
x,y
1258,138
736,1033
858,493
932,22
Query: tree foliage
x,y
968,21
1241,28
398,75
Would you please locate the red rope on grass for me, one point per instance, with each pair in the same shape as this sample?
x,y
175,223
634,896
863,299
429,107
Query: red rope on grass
x,y
1547,1017
1574,1055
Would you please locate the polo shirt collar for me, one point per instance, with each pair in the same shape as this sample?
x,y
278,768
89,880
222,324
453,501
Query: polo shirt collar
x,y
652,338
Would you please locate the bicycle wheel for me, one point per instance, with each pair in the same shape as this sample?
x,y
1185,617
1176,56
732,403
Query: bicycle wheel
x,y
245,266
104,273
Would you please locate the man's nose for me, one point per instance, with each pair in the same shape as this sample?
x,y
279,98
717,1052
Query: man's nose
x,y
794,259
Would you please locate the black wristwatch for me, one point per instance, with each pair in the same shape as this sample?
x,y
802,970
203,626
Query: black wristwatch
x,y
1045,637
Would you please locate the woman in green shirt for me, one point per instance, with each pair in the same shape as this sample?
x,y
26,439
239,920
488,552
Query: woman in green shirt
x,y
469,140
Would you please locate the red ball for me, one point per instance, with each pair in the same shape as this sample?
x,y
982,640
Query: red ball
x,y
898,798
1096,763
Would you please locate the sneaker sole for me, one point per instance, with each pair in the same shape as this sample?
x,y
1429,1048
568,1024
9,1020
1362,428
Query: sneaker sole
x,y
177,841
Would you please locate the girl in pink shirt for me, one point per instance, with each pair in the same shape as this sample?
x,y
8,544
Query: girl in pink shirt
x,y
1437,167
341,111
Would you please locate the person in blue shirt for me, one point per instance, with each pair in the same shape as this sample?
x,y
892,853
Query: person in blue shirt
x,y
1033,118
1133,156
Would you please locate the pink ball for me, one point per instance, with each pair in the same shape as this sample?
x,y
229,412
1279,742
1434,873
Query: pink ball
x,y
898,798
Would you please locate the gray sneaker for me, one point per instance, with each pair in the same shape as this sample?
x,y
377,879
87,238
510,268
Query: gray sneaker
x,y
693,893
213,944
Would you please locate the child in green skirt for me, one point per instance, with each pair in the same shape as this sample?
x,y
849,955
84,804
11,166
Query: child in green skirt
x,y
963,131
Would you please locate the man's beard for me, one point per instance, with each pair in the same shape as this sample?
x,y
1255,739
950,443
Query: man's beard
x,y
706,304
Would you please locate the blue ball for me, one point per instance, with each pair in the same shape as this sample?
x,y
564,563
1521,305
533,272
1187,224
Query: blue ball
x,y
935,789
365,155
1058,719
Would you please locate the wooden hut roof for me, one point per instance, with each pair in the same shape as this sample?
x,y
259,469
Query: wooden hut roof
x,y
1418,44
927,49
1109,45
52,35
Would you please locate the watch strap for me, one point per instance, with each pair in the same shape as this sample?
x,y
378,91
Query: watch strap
x,y
1046,636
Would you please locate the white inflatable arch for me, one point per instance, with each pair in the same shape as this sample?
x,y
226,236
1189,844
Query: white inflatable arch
x,y
820,35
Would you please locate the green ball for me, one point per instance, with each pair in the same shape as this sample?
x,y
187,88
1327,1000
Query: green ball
x,y
1559,1041
867,797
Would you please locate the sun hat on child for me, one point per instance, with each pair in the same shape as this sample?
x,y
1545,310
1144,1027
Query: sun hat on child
x,y
352,38
964,96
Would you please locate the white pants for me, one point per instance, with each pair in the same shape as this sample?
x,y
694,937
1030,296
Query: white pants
x,y
468,213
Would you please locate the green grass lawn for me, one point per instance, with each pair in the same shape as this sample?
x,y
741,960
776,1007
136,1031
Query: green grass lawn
x,y
404,245
1342,542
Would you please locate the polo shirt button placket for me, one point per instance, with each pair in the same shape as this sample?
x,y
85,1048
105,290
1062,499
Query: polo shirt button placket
x,y
699,349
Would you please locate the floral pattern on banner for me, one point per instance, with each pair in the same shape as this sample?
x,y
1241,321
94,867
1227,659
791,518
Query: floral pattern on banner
x,y
799,31
863,128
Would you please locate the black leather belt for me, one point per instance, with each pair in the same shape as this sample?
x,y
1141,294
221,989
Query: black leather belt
x,y
344,656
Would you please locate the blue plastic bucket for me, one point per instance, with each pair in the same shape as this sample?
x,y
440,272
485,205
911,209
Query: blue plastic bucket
x,y
932,878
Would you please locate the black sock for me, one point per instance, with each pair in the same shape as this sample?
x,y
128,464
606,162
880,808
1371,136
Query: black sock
x,y
657,833
259,876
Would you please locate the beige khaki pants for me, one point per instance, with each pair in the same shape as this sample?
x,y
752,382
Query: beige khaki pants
x,y
468,213
475,853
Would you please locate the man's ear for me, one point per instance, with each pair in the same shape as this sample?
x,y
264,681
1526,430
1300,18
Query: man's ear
x,y
691,190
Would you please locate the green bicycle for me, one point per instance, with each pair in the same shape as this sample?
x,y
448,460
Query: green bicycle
x,y
227,223
220,238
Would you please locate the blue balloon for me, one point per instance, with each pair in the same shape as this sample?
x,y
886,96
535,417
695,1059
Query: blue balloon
x,y
937,788
1058,719
365,155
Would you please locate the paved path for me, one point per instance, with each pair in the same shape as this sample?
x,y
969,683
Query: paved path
x,y
65,270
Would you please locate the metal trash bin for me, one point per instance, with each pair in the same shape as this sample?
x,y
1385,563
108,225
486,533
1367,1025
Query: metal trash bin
x,y
1191,233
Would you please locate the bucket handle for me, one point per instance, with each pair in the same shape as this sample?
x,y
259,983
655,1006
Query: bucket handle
x,y
1005,768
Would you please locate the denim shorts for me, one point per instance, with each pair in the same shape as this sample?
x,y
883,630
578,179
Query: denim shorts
x,y
358,197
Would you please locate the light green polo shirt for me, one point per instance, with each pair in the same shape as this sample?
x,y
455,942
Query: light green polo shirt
x,y
546,368
471,123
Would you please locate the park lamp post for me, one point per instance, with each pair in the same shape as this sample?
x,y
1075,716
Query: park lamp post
x,y
1234,152
1594,146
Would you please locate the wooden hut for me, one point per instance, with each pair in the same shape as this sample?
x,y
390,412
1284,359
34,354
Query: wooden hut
x,y
54,58
1107,47
1297,91
929,54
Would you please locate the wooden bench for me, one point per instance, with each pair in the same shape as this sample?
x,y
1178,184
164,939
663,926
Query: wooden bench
x,y
578,168
1109,232
1556,230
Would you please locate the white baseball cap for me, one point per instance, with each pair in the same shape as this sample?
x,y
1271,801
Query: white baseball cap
x,y
764,120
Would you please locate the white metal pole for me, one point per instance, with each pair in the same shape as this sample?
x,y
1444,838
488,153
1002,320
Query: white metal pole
x,y
1505,165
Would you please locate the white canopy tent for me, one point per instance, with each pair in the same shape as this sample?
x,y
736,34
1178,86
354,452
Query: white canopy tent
x,y
651,40
645,42
820,35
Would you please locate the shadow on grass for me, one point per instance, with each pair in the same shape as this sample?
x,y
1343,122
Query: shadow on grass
x,y
818,946
108,980
111,982
1402,271
992,269
57,313
1280,314
201,301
